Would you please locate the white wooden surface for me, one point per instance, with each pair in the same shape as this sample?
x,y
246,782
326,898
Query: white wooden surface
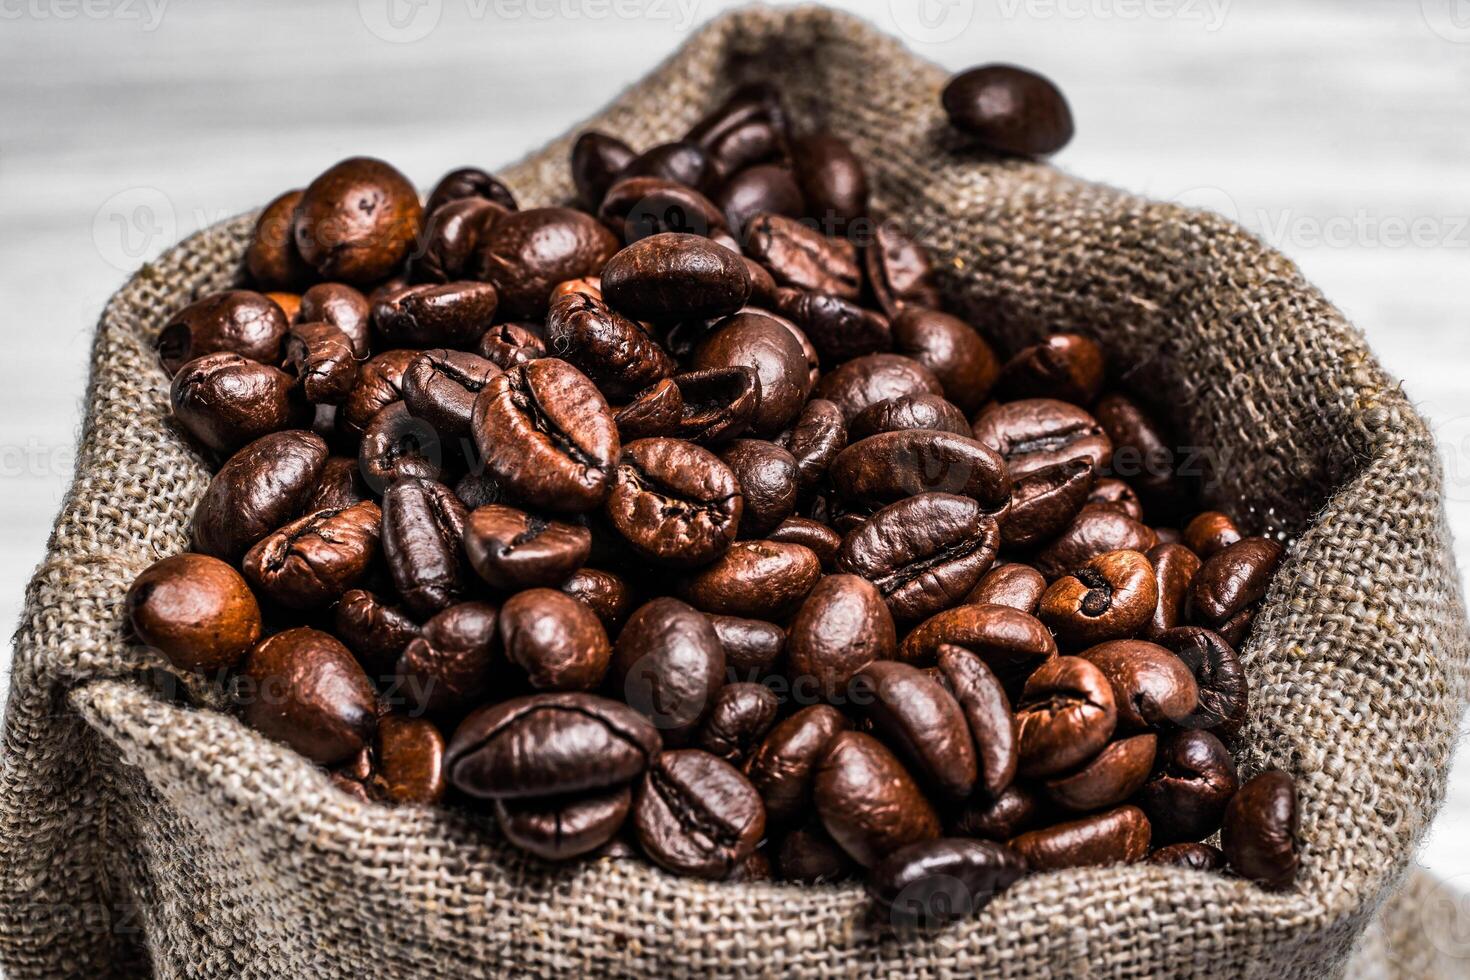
x,y
1340,130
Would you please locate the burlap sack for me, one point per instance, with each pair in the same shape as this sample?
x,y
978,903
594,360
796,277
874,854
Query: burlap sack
x,y
137,834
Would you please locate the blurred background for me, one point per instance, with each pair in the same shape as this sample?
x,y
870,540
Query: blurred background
x,y
1338,130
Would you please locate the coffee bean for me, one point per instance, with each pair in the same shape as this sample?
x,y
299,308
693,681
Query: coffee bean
x,y
768,479
783,768
559,828
921,720
1111,597
918,411
899,272
509,345
1016,809
374,631
1152,687
344,308
1174,568
894,466
1232,579
697,815
512,549
469,182
303,688
608,595
1045,503
718,403
1009,110
741,716
1143,453
1011,643
236,321
804,258
752,646
948,346
357,221
322,360
410,761
808,855
658,410
818,435
1111,777
987,713
762,189
1116,494
1118,836
451,314
838,328
640,207
681,162
668,663
754,578
1066,715
397,446
452,235
1196,857
1065,366
932,883
867,801
1210,533
820,539
674,502
314,559
748,128
1259,836
842,627
761,342
195,610
616,353
272,259
528,252
597,159
1040,432
445,669
423,523
225,401
440,387
832,180
675,276
1192,781
558,641
257,490
865,381
1096,530
1224,692
1014,585
379,384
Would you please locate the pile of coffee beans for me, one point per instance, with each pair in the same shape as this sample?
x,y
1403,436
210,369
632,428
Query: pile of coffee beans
x,y
683,521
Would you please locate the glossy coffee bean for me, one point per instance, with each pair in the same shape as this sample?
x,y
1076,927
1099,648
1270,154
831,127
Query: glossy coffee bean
x,y
818,435
509,345
1152,687
1016,809
1065,716
357,221
841,627
511,549
832,179
865,381
752,646
761,342
257,490
987,713
924,553
750,127
1017,586
1118,836
304,688
1011,643
225,401
932,883
1111,597
322,360
921,720
340,486
440,387
868,802
894,466
804,258
820,539
1195,857
546,432
640,207
469,182
559,828
681,162
808,855
697,815
608,595
674,503
549,744
1224,691
1115,774
1232,579
396,445
1096,530
528,252
409,762
343,307
754,578
1064,366
899,272
451,314
768,479
556,640
1259,836
783,768
272,259
669,664
1040,432
195,610
717,403
742,715
452,235
675,276
1174,568
839,329
597,159
1143,452
1192,781
919,411
616,353
948,346
657,410
236,321
762,189
373,630
379,384
446,668
1009,110
1209,533
1115,493
1044,503
314,559
423,523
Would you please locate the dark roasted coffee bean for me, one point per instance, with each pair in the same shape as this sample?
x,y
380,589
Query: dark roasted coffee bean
x,y
899,272
272,259
742,715
195,610
1014,585
606,594
808,855
314,559
924,553
748,128
832,180
546,432
867,801
357,221
933,883
655,411
718,403
921,720
819,538
1224,692
451,314
452,234
1044,503
379,384
409,760
1041,432
423,523
469,182
948,346
681,162
236,321
304,688
674,276
446,668
344,308
752,646
513,550
819,434
908,412
1143,453
1233,579
528,252
374,631
674,502
225,401
1064,366
440,387
893,466
257,490
1112,597
1151,686
839,329
640,207
321,358
668,664
398,446
784,767
842,627
558,641
987,712
1174,568
873,378
612,350
1209,533
754,578
761,342
1018,808
1096,530
1259,836
1111,777
804,258
597,159
1011,643
768,480
1116,494
762,189
558,828
1192,781
1066,715
697,815
1196,857
1117,836
549,744
1009,110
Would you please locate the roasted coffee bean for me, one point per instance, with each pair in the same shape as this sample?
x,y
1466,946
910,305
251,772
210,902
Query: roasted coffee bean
x,y
894,466
697,815
1235,629
1111,597
1040,432
838,328
423,523
933,883
556,640
304,688
867,801
236,321
559,828
339,486
948,346
528,252
257,490
1174,568
374,631
669,664
1111,777
272,259
987,713
1066,715
752,646
1195,857
1016,809
440,387
924,553
1192,781
1224,692
612,350
1259,835
1009,110
398,446
548,744
225,401
379,384
1014,585
195,610
1232,579
674,502
908,412
1064,366
808,352
680,162
920,720
1115,493
1096,530
409,762
832,181
357,221
469,182
674,276
546,432
1143,453
641,207
1118,836
344,308
606,594
804,258
1044,503
808,855
742,715
597,159
1209,533
451,314
655,411
899,272
314,559
759,341
718,403
748,128
754,578
768,479
446,668
783,769
512,549
762,189
321,358
819,434
1011,643
452,235
819,538
842,627
1151,686
865,381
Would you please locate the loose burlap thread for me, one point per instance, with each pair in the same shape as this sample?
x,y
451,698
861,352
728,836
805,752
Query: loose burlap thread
x,y
138,834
